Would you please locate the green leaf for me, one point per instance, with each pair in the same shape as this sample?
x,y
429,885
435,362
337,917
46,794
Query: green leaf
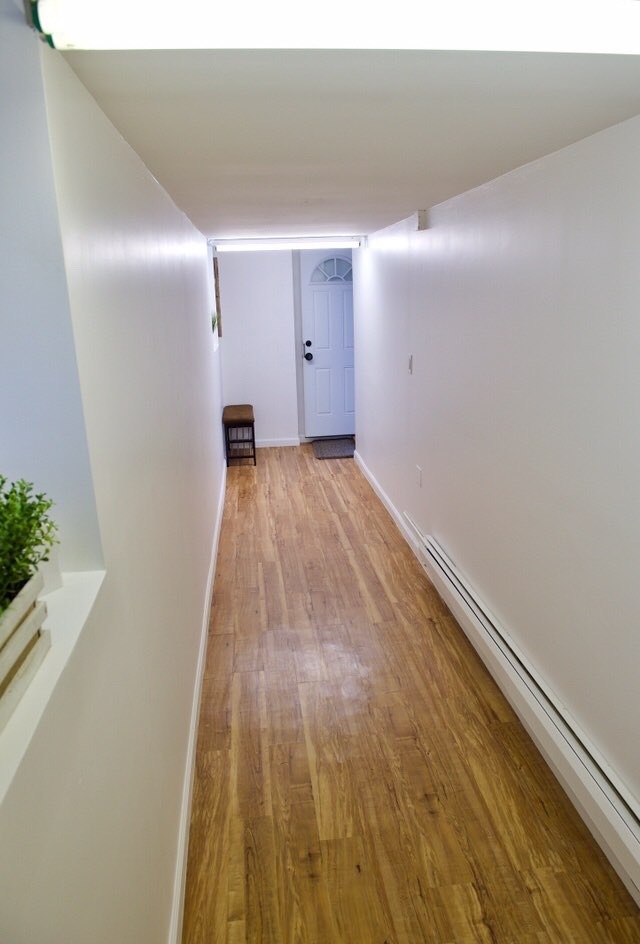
x,y
27,534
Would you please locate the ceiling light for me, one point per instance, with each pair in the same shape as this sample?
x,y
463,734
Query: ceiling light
x,y
589,26
311,242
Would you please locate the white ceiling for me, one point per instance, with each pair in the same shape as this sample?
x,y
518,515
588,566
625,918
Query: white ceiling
x,y
273,143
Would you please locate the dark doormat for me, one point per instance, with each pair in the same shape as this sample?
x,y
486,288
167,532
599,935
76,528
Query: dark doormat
x,y
334,448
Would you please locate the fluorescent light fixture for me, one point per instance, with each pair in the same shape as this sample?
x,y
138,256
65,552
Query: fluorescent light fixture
x,y
267,245
583,26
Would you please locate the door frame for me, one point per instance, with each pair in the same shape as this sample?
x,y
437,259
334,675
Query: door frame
x,y
298,340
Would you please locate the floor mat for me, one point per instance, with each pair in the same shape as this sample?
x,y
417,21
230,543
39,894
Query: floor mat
x,y
334,448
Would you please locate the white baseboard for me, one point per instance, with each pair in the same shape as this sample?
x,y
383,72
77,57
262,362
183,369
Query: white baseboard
x,y
386,501
272,443
177,909
608,821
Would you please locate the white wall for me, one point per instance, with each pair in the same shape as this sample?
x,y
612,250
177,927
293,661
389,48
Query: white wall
x,y
522,314
382,348
89,830
38,372
258,351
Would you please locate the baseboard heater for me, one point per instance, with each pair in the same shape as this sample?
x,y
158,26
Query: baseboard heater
x,y
609,809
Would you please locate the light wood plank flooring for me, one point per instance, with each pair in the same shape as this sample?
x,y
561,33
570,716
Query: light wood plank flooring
x,y
360,778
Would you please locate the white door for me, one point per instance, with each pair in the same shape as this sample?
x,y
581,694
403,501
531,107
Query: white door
x,y
327,339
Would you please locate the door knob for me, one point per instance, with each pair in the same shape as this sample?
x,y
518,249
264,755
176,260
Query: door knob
x,y
308,356
307,343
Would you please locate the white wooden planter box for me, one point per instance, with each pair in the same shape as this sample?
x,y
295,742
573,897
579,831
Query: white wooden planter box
x,y
23,644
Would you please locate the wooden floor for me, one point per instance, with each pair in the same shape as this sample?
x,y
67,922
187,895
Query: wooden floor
x,y
360,779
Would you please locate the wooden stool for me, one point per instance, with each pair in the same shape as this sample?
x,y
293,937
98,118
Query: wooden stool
x,y
239,432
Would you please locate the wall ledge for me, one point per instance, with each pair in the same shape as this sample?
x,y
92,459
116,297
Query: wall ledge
x,y
68,610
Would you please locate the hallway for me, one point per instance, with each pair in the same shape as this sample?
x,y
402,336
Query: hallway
x,y
359,778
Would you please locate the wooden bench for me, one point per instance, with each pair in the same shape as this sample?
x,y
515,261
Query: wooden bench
x,y
239,432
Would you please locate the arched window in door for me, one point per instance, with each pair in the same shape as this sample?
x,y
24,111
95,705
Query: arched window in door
x,y
334,269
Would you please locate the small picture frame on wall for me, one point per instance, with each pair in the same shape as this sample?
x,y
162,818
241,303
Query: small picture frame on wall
x,y
217,316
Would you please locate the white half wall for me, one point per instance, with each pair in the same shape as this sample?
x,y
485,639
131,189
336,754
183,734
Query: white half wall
x,y
520,305
258,350
92,827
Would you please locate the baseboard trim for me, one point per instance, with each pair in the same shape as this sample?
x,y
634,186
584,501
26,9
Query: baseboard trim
x,y
272,443
179,885
386,501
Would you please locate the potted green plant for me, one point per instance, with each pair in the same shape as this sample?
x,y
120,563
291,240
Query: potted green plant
x,y
27,534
